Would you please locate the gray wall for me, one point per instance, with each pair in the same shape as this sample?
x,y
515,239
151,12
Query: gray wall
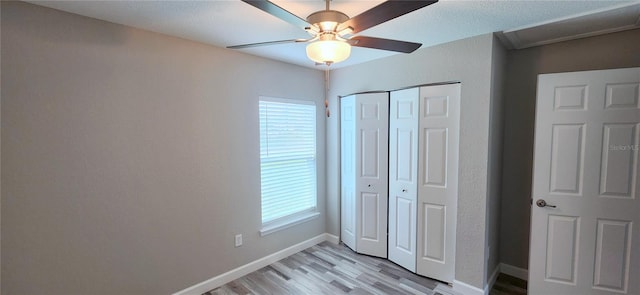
x,y
130,159
619,50
467,61
498,68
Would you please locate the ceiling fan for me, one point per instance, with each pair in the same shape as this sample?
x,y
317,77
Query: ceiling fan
x,y
332,32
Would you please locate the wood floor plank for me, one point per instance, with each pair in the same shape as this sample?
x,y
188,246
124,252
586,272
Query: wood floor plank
x,y
346,281
360,291
290,262
411,285
388,289
250,284
305,283
348,270
238,288
444,290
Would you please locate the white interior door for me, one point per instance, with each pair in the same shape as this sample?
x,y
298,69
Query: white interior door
x,y
586,165
372,170
438,180
403,171
348,171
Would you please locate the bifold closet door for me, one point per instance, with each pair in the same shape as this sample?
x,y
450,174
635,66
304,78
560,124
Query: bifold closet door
x,y
364,160
438,181
403,171
348,171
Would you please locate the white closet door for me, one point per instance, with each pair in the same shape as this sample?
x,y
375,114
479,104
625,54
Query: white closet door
x,y
403,171
372,168
348,171
438,180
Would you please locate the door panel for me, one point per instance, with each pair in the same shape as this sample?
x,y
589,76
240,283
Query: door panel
x,y
585,164
404,228
435,157
570,98
612,255
348,171
434,220
619,165
372,170
405,140
403,167
566,158
562,248
369,153
370,221
438,174
622,96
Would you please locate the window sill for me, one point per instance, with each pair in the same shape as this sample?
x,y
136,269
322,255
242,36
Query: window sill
x,y
288,222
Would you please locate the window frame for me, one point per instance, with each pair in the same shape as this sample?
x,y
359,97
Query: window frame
x,y
303,215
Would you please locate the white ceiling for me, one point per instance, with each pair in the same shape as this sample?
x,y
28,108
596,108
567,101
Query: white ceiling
x,y
232,22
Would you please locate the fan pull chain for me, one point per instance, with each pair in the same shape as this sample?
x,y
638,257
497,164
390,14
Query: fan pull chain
x,y
326,92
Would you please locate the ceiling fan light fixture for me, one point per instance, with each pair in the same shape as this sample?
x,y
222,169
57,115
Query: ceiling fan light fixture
x,y
332,31
328,51
327,20
328,26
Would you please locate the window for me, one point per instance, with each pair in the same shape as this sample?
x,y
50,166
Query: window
x,y
287,162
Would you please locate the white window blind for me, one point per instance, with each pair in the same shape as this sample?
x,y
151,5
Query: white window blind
x,y
287,158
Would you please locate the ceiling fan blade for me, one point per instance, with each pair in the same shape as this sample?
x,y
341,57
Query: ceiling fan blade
x,y
384,44
279,12
384,12
267,43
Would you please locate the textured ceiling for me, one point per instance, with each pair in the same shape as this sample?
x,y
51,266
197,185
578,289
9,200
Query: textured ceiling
x,y
231,22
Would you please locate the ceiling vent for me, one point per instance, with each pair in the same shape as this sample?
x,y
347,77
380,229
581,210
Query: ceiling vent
x,y
585,25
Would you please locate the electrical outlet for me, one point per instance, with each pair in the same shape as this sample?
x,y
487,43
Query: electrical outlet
x,y
239,240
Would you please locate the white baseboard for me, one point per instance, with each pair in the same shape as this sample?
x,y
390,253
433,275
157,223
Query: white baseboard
x,y
514,271
511,270
332,238
250,267
466,289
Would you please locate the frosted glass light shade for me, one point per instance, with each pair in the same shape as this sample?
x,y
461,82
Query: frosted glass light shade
x,y
328,51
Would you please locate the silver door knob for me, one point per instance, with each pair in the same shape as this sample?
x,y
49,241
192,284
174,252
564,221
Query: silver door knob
x,y
404,190
542,203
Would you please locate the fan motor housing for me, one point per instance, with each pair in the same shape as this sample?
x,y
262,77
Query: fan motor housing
x,y
327,16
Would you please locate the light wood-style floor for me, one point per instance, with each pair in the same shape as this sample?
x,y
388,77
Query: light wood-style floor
x,y
335,269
